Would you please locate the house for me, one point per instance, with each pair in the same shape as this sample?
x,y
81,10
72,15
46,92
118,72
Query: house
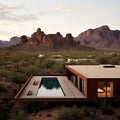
x,y
79,60
42,55
95,81
80,83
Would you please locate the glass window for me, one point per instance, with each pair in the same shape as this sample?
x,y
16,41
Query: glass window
x,y
105,89
82,85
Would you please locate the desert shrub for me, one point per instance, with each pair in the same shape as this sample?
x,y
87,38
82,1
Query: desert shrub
x,y
20,69
107,109
49,63
16,59
41,62
3,88
19,115
86,62
36,106
95,116
87,112
4,115
4,73
18,78
58,68
70,114
32,70
2,62
102,60
114,60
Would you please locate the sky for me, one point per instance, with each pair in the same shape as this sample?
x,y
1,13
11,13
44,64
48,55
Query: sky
x,y
23,17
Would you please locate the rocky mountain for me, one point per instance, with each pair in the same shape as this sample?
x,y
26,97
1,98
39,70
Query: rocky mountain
x,y
100,38
3,43
13,41
41,41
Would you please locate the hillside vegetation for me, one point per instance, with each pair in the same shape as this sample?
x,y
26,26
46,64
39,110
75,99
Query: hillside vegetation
x,y
16,67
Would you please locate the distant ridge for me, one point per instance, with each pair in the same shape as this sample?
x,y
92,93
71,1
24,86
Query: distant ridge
x,y
41,41
13,41
100,38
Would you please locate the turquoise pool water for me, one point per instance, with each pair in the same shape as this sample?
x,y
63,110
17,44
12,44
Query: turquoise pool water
x,y
50,87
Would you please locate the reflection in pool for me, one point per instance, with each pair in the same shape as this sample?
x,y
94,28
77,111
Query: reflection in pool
x,y
50,87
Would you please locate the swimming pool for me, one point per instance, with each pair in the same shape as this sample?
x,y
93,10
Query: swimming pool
x,y
50,87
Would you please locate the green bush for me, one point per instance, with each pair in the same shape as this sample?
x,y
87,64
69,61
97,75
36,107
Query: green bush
x,y
70,114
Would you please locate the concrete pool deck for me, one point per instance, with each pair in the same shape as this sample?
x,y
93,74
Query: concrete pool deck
x,y
30,89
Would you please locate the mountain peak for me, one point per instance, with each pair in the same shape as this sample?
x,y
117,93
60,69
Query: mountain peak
x,y
104,27
100,38
40,40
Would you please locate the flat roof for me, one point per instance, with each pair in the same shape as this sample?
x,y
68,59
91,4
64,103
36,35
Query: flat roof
x,y
70,91
96,71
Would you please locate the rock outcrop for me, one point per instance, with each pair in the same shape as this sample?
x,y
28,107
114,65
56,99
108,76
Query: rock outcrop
x,y
23,39
38,35
40,40
13,41
100,38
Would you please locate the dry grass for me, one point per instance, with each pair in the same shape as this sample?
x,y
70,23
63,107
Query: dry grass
x,y
50,114
95,114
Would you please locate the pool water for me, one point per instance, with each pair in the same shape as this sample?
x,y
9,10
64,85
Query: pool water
x,y
50,87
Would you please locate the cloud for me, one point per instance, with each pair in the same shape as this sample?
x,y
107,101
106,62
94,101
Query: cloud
x,y
67,8
63,9
12,13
